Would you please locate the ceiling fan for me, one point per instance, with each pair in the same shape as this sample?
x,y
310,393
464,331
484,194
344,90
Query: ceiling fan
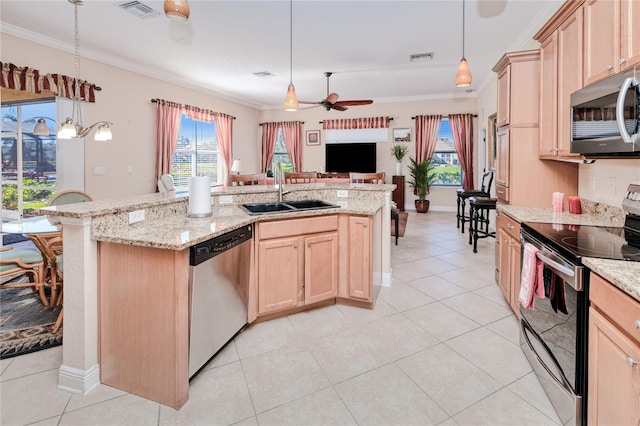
x,y
331,101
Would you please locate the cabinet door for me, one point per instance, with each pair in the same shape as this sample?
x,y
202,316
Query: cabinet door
x,y
320,267
280,263
548,96
569,78
359,275
629,33
514,274
502,157
504,96
601,39
504,264
614,385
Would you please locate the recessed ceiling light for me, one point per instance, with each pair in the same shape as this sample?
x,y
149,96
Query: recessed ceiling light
x,y
417,57
263,74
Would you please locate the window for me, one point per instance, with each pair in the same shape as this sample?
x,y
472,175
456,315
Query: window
x,y
28,161
196,153
448,170
281,155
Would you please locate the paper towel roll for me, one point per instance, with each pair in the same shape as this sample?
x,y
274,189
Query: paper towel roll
x,y
199,196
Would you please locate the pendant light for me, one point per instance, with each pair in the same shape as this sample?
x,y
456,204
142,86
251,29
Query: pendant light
x,y
41,128
291,100
176,10
72,126
463,77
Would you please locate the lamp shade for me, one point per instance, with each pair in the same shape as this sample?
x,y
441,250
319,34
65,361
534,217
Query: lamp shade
x,y
463,77
235,168
67,130
103,133
41,128
177,10
291,100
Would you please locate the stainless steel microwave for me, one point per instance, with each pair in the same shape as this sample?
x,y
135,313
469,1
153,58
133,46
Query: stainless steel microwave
x,y
605,117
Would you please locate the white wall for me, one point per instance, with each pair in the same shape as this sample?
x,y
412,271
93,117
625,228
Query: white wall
x,y
610,177
125,100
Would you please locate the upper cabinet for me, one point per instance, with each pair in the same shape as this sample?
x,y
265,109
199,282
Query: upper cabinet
x,y
560,75
611,41
518,89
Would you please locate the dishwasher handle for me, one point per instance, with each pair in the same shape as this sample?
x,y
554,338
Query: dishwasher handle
x,y
206,250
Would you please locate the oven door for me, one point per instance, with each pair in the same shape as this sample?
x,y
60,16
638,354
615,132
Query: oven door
x,y
553,335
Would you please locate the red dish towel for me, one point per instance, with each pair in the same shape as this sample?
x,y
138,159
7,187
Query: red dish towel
x,y
531,283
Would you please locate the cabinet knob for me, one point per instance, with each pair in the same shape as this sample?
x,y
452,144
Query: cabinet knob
x,y
630,362
557,150
622,61
295,245
510,226
309,244
549,149
637,323
609,67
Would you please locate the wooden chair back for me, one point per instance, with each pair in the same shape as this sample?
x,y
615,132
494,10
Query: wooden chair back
x,y
250,179
300,177
366,177
71,196
16,262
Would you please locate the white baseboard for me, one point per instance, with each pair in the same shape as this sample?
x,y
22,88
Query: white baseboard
x,y
78,381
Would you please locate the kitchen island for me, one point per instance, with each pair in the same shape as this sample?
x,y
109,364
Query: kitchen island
x,y
165,234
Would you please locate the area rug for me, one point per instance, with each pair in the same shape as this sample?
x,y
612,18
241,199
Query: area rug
x,y
8,239
402,224
25,324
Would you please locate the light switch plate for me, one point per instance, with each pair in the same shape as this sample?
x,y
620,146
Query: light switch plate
x,y
225,199
99,171
342,193
136,216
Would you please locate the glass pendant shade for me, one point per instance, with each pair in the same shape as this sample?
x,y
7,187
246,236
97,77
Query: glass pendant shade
x,y
463,77
103,133
291,100
41,128
177,10
67,130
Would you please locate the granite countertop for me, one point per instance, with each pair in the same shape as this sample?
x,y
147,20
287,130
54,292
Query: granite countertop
x,y
177,232
623,274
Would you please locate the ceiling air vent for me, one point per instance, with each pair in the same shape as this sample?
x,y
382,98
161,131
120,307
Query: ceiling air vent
x,y
263,74
416,57
138,9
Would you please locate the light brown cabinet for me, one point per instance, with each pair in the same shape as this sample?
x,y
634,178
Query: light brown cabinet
x,y
614,354
508,258
297,262
560,75
517,143
356,258
611,37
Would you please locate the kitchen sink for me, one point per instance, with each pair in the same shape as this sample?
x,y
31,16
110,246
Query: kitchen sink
x,y
287,206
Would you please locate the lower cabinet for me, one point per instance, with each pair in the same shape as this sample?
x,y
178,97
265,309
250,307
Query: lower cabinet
x,y
356,258
508,263
297,262
614,354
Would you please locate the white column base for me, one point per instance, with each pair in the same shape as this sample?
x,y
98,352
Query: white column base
x,y
78,381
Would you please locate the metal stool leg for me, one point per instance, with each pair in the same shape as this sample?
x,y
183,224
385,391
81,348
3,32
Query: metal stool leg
x,y
462,216
471,224
476,215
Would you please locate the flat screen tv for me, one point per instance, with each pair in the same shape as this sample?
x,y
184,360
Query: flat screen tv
x,y
351,157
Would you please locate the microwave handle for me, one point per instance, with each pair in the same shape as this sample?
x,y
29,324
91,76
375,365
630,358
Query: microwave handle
x,y
626,137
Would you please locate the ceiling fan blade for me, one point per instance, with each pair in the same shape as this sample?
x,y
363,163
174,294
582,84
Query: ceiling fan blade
x,y
309,102
332,98
338,107
355,102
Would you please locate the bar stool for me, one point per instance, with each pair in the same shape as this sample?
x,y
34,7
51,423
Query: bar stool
x,y
464,194
479,209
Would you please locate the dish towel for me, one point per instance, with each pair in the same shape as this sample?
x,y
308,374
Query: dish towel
x,y
531,282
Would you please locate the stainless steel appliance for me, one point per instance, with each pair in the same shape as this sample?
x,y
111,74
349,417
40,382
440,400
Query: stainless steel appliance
x,y
218,293
605,117
554,335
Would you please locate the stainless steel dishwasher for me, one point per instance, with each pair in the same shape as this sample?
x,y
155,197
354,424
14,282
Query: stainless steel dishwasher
x,y
218,293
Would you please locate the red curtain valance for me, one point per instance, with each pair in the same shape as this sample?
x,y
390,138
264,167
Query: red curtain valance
x,y
194,112
357,123
32,81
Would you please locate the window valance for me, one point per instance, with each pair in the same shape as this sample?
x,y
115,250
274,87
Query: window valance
x,y
32,81
194,112
357,123
283,123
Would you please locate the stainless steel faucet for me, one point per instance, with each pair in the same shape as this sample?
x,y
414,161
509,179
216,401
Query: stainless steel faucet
x,y
279,178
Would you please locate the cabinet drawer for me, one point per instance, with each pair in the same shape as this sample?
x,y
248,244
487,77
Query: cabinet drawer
x,y
502,193
510,225
290,227
621,308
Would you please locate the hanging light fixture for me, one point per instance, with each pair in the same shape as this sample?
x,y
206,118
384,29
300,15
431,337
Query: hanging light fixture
x,y
177,10
463,77
41,128
72,126
291,100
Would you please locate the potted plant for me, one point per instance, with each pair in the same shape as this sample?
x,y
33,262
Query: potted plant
x,y
422,175
399,151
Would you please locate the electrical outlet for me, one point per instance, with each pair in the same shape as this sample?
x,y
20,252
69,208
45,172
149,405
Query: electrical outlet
x,y
225,199
342,193
593,183
136,216
612,185
130,169
99,171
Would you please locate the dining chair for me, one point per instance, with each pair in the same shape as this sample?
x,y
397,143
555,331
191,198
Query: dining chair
x,y
355,177
70,196
18,262
249,179
300,177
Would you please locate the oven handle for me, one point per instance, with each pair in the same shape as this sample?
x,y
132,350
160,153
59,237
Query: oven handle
x,y
568,274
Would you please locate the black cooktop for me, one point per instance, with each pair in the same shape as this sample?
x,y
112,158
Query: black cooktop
x,y
618,243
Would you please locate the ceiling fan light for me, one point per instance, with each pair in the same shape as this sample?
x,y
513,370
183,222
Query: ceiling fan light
x,y
67,130
176,10
41,128
291,100
103,133
463,77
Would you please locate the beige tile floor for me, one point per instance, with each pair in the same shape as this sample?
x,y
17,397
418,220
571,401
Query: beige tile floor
x,y
439,347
